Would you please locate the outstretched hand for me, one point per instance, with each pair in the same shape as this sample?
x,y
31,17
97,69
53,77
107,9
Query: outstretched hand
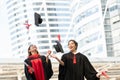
x,y
48,53
102,73
53,56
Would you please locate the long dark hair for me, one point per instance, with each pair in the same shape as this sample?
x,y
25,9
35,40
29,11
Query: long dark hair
x,y
29,53
76,44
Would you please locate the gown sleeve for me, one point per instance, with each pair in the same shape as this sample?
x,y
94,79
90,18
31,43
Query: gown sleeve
x,y
27,74
90,72
49,69
61,75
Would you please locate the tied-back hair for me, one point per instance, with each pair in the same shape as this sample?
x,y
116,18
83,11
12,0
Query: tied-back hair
x,y
76,44
29,53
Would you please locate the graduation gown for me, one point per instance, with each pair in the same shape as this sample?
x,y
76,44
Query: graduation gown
x,y
42,69
77,69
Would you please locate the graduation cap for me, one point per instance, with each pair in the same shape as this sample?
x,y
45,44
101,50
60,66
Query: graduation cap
x,y
38,19
58,47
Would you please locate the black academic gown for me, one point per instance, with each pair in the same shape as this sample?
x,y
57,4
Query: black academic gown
x,y
82,69
48,72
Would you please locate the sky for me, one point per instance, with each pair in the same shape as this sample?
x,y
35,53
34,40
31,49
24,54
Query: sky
x,y
5,49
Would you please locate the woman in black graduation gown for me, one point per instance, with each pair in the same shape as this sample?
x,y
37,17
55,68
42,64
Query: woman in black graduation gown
x,y
75,66
37,67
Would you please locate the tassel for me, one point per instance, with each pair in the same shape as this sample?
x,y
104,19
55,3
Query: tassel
x,y
74,59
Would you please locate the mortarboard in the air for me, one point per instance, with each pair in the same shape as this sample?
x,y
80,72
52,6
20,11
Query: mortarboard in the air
x,y
38,19
58,47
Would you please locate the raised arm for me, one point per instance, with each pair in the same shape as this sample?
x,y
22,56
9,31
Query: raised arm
x,y
60,61
47,56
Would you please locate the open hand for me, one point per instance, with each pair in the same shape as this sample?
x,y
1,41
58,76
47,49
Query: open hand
x,y
102,73
49,52
53,56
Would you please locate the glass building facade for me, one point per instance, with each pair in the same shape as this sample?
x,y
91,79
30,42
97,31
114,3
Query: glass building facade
x,y
94,24
89,28
56,21
114,10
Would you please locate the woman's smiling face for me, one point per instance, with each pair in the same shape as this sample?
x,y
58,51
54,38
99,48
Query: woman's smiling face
x,y
33,48
71,46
